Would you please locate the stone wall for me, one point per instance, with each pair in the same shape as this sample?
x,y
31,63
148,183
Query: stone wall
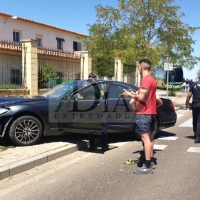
x,y
18,92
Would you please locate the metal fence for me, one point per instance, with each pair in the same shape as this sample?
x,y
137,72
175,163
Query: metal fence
x,y
66,69
67,65
10,63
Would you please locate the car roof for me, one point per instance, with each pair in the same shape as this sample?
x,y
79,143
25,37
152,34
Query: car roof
x,y
78,82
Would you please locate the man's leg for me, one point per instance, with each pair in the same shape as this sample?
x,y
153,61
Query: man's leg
x,y
147,145
91,139
151,142
104,136
152,145
143,126
153,121
194,118
197,140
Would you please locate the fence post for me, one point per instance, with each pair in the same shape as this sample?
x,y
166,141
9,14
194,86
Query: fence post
x,y
86,64
137,75
125,78
118,70
30,65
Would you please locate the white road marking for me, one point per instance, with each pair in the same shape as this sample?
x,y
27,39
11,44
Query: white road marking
x,y
194,149
159,147
179,115
187,123
168,138
118,144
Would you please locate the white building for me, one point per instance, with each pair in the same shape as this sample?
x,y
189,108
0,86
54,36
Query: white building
x,y
55,46
14,29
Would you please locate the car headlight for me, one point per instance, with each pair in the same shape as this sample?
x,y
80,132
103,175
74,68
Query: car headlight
x,y
3,110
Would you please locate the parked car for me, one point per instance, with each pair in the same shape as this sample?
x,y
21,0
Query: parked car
x,y
74,107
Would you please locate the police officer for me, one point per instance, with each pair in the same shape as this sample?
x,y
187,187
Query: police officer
x,y
92,78
195,92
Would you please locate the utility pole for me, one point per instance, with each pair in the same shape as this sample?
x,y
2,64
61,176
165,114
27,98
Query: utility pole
x,y
168,67
167,77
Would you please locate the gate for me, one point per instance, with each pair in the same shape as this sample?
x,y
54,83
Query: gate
x,y
66,66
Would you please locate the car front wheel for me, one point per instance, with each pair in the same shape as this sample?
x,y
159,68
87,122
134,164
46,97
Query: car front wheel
x,y
25,131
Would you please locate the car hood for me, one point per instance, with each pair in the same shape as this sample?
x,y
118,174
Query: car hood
x,y
15,100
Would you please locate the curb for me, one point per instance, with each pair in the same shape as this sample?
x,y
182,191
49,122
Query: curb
x,y
37,160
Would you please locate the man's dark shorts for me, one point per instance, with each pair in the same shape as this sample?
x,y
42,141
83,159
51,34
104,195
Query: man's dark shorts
x,y
144,123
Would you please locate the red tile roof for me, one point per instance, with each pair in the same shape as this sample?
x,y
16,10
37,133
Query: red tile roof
x,y
39,23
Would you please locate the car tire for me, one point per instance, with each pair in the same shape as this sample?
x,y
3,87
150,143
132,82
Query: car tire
x,y
155,131
25,131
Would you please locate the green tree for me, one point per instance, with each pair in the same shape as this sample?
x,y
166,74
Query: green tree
x,y
45,72
137,29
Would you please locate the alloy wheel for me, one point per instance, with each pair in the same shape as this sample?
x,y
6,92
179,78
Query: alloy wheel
x,y
27,131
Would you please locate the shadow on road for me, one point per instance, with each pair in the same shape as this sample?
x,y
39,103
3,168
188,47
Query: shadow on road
x,y
5,144
163,133
190,137
81,140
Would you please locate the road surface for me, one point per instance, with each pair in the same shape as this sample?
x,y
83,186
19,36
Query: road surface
x,y
97,176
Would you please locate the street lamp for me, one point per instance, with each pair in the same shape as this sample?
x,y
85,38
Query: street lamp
x,y
13,17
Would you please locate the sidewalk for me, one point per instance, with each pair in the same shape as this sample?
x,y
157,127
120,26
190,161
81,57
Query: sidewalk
x,y
14,160
178,100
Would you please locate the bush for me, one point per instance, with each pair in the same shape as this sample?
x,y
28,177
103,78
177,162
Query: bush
x,y
45,72
10,86
172,93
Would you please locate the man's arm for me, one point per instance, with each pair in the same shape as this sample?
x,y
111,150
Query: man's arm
x,y
159,102
188,99
141,96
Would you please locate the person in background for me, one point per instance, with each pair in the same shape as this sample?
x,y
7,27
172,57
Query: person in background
x,y
195,92
186,86
92,77
190,83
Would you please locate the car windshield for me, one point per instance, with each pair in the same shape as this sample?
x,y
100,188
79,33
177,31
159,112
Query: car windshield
x,y
59,90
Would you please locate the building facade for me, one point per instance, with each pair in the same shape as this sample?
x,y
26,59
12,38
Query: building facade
x,y
55,47
15,29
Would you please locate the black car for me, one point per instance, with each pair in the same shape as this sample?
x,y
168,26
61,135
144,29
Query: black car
x,y
74,107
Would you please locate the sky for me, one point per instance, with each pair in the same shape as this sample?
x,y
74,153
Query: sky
x,y
75,15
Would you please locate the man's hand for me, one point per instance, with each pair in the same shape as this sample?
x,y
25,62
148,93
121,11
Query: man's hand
x,y
186,106
127,93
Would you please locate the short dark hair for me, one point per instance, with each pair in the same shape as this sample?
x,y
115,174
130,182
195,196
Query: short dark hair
x,y
146,61
92,75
